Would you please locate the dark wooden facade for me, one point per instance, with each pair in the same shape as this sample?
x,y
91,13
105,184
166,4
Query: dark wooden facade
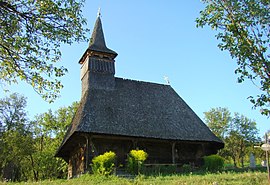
x,y
159,151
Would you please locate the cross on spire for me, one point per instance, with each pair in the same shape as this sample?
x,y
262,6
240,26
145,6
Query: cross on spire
x,y
99,13
97,41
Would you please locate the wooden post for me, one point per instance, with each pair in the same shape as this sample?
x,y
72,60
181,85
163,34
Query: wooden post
x,y
87,154
94,151
173,152
86,151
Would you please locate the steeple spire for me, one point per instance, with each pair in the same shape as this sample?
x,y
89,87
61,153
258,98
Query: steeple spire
x,y
97,41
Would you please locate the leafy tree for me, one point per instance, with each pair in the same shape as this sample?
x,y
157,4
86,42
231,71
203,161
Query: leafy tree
x,y
245,127
48,130
218,120
18,152
16,140
242,134
27,148
31,32
243,29
12,112
239,133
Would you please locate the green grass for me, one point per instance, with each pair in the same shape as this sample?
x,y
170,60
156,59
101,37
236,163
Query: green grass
x,y
228,178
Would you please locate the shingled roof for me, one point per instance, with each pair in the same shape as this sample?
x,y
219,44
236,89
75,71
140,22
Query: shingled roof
x,y
138,109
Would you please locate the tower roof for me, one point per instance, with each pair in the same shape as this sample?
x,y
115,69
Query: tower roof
x,y
97,41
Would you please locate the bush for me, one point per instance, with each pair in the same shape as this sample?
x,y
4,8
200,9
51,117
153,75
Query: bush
x,y
104,164
213,163
136,160
160,169
186,168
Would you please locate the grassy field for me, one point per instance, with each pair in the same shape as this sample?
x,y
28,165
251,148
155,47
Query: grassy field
x,y
229,178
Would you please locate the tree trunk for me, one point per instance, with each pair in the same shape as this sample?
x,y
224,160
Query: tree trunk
x,y
242,161
242,152
234,162
33,168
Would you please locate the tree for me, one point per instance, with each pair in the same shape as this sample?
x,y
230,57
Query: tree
x,y
48,130
31,32
17,153
238,133
16,140
243,28
12,112
218,120
243,133
27,148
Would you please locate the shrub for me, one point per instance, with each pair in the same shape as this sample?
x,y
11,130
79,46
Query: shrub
x,y
104,164
213,163
136,160
186,168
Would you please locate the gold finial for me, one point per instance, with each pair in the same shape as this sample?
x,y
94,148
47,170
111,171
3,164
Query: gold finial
x,y
98,14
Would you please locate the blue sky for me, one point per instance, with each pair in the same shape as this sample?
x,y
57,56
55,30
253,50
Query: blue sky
x,y
154,39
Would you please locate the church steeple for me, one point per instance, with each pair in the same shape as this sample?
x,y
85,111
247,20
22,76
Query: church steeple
x,y
97,41
98,69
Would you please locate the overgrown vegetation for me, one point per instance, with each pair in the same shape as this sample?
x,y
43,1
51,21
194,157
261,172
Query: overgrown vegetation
x,y
136,160
104,164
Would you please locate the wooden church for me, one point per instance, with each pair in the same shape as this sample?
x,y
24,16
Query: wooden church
x,y
119,115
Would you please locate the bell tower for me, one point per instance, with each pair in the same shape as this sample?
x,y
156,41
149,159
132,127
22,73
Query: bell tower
x,y
97,63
